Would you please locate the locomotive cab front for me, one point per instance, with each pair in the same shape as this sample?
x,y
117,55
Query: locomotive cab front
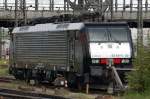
x,y
109,45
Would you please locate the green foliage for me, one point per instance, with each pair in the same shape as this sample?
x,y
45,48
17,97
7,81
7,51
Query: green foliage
x,y
139,80
3,62
4,71
136,95
3,67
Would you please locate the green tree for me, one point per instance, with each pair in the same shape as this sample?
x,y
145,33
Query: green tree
x,y
139,79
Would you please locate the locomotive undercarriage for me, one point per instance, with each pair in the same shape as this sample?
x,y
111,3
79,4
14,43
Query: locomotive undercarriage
x,y
108,78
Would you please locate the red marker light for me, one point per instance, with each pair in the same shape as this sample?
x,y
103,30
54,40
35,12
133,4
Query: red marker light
x,y
103,61
117,60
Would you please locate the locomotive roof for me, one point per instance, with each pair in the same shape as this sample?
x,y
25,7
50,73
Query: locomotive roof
x,y
63,26
123,24
48,27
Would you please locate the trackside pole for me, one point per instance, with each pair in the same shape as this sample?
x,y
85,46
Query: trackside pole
x,y
86,80
87,88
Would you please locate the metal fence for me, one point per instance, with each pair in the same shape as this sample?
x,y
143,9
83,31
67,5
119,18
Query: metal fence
x,y
46,7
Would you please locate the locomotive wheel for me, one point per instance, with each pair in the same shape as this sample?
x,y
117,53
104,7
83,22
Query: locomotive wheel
x,y
71,78
18,77
79,86
79,83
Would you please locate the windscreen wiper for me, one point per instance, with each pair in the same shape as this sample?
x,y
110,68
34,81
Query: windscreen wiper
x,y
111,38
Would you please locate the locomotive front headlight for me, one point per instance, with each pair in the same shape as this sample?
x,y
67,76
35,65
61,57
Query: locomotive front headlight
x,y
95,61
125,60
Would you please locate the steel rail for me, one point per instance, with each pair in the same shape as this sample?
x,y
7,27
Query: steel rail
x,y
9,93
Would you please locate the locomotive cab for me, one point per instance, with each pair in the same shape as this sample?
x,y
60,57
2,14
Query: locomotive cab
x,y
109,45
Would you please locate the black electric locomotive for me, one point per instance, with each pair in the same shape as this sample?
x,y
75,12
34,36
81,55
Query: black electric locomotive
x,y
82,53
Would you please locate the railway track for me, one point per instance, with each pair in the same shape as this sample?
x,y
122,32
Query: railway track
x,y
6,79
15,94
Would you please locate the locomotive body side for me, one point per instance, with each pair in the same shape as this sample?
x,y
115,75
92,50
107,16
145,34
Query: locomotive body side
x,y
42,51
